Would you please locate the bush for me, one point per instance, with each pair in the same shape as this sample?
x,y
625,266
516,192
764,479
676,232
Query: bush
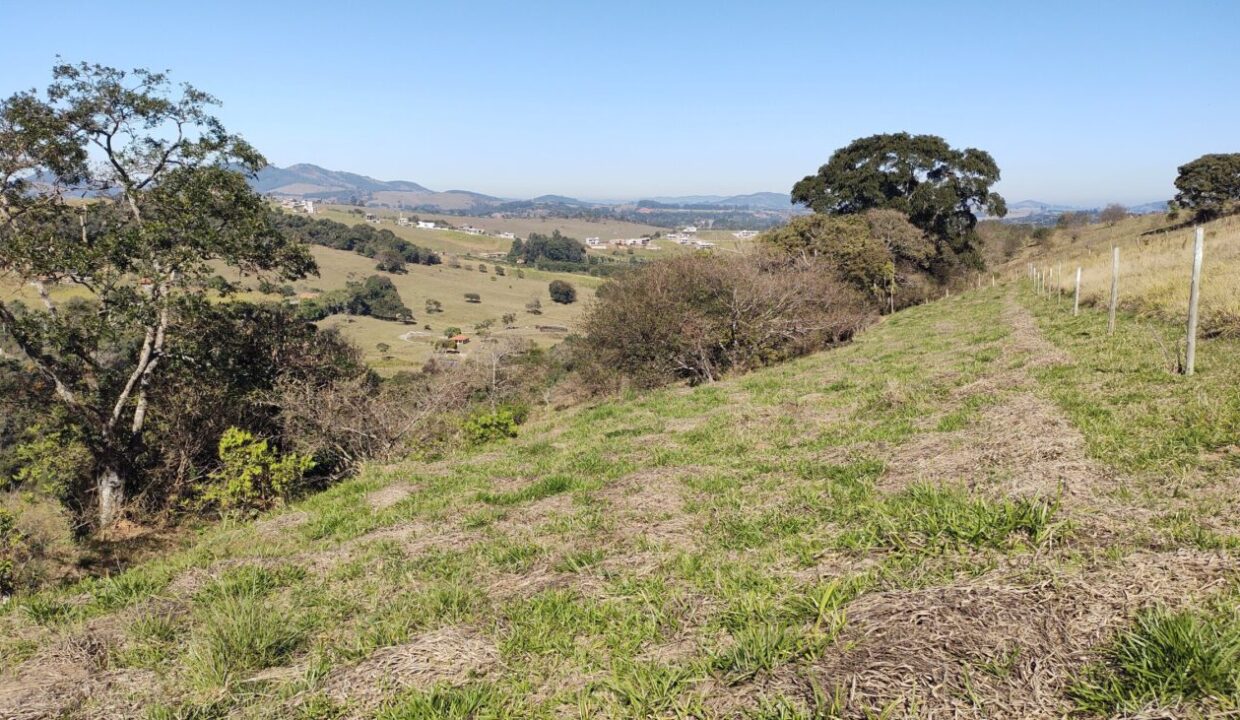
x,y
696,317
495,424
36,542
473,298
253,476
562,292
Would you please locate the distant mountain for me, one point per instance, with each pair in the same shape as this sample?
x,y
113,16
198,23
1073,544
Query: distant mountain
x,y
312,182
756,201
304,179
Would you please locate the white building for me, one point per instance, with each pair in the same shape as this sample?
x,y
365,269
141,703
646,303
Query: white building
x,y
426,224
689,229
594,242
508,236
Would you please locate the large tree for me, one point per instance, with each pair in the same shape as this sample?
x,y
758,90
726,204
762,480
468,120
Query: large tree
x,y
120,197
1210,185
939,188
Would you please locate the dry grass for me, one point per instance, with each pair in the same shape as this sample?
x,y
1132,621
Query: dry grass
x,y
1155,265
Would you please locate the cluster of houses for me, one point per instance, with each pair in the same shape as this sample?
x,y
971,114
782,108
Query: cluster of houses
x,y
595,242
688,236
298,205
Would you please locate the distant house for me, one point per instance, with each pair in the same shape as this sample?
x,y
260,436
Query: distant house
x,y
689,229
508,236
594,242
459,339
426,224
373,218
745,234
471,230
402,221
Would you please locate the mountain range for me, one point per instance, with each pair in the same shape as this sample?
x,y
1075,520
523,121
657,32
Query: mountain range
x,y
312,182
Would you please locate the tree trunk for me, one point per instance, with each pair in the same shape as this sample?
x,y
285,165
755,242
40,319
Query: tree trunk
x,y
111,491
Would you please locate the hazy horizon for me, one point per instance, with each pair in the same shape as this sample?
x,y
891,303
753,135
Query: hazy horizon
x,y
1079,106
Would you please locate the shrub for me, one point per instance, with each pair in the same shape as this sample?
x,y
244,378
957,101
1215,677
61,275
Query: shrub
x,y
698,316
534,307
10,542
36,542
253,475
562,292
473,297
495,424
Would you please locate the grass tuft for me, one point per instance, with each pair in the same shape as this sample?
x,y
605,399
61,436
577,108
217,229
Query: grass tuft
x,y
1167,659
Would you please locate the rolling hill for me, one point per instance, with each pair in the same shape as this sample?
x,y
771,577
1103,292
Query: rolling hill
x,y
984,507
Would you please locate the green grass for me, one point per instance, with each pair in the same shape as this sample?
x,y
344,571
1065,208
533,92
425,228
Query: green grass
x,y
1123,394
690,552
1167,659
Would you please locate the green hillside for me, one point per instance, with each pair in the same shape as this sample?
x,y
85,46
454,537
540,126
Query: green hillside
x,y
409,346
981,508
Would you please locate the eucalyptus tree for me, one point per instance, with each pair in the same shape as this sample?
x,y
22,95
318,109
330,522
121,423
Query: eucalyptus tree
x,y
121,196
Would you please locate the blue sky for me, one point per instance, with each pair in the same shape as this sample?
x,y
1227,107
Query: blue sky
x,y
1079,102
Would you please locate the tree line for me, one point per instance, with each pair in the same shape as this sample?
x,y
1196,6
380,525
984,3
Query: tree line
x,y
391,252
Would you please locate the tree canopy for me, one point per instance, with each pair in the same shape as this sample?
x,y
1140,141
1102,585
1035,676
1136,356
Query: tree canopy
x,y
125,187
1209,185
939,188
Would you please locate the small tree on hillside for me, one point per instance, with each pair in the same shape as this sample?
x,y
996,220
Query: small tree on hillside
x,y
171,205
534,307
473,297
433,306
1113,213
562,292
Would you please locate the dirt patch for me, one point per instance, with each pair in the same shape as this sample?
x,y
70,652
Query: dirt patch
x,y
386,497
282,523
1022,446
448,655
1026,338
993,649
650,505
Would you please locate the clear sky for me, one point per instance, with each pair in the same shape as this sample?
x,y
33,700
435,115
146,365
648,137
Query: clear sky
x,y
1079,102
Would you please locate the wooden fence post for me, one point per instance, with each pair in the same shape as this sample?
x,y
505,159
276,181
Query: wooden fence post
x,y
1194,293
1114,289
1076,299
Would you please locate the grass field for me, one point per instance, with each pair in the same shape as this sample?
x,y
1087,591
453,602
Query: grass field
x,y
458,243
1155,264
411,345
981,508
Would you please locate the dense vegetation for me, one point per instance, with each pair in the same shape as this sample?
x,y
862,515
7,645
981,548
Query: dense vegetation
x,y
939,188
375,296
1210,185
390,252
558,252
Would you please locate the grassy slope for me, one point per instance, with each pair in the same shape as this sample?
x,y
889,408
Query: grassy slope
x,y
1156,258
448,285
908,525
